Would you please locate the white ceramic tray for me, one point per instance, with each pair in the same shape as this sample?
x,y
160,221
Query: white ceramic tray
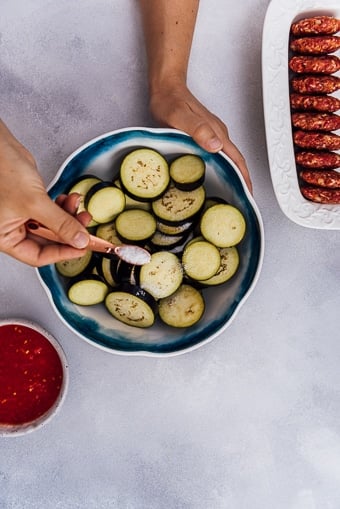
x,y
275,75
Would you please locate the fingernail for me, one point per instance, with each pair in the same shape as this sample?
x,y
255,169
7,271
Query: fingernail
x,y
81,240
215,144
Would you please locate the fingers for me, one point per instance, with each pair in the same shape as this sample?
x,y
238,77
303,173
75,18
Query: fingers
x,y
37,255
68,228
213,136
235,155
191,117
206,137
208,131
70,203
37,252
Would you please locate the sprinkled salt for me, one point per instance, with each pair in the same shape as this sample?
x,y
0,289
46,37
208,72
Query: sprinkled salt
x,y
133,254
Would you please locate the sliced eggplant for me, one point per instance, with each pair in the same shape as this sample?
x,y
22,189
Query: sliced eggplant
x,y
88,290
213,200
82,187
178,250
201,260
223,225
135,225
108,231
82,184
144,174
104,202
192,237
187,172
125,272
176,206
132,305
229,264
132,203
162,275
174,229
183,308
75,266
107,269
160,241
195,238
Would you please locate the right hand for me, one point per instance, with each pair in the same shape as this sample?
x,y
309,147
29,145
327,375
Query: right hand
x,y
174,105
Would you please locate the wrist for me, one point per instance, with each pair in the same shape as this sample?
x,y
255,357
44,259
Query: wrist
x,y
168,80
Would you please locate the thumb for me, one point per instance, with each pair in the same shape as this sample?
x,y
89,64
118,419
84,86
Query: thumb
x,y
69,230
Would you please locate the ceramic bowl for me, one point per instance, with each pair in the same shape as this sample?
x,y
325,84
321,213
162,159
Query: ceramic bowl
x,y
101,156
34,377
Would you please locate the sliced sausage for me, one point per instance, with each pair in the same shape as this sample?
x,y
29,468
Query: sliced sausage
x,y
318,159
316,45
317,25
325,64
321,195
315,84
321,178
316,121
314,102
316,140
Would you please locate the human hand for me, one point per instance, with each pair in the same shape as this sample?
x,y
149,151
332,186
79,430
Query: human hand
x,y
175,106
23,197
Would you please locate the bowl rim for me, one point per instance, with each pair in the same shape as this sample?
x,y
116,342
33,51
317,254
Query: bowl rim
x,y
22,429
250,198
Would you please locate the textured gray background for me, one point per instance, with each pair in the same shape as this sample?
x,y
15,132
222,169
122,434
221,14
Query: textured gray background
x,y
249,421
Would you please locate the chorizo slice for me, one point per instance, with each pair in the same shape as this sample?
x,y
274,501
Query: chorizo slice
x,y
316,121
318,159
315,84
316,140
321,195
321,178
316,45
325,64
317,25
324,103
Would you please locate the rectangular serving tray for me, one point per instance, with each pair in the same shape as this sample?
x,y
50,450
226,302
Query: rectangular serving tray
x,y
277,115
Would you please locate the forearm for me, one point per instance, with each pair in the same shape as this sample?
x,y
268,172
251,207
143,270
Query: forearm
x,y
12,150
6,137
168,30
168,27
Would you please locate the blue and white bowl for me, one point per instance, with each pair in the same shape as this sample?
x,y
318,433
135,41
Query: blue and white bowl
x,y
94,324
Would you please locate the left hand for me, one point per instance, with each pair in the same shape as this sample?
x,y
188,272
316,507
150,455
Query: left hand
x,y
174,105
22,197
36,251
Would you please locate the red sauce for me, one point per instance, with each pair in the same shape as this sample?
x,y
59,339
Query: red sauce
x,y
31,374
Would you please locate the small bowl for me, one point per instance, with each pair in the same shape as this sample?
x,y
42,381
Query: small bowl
x,y
33,375
102,157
